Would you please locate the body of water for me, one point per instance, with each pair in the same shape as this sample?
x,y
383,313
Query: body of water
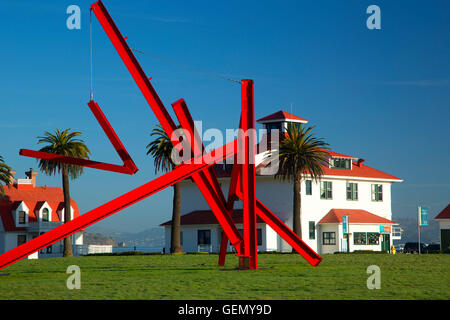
x,y
140,249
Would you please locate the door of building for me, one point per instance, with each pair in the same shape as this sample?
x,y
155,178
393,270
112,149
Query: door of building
x,y
385,242
445,239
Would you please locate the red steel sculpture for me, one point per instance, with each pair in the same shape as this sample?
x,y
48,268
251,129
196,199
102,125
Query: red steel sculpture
x,y
199,168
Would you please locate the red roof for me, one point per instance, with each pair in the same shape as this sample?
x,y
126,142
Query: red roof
x,y
207,217
339,155
354,216
33,198
282,116
358,170
444,214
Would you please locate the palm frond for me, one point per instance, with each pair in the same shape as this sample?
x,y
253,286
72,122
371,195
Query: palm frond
x,y
302,153
5,176
160,149
65,143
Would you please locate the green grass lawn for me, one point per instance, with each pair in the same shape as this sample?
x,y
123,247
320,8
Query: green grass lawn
x,y
281,276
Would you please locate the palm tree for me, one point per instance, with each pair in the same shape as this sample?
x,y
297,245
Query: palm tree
x,y
161,149
5,176
301,153
64,143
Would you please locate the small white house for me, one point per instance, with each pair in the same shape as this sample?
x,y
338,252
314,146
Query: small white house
x,y
27,211
348,188
444,225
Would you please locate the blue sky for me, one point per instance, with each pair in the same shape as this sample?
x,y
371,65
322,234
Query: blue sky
x,y
382,95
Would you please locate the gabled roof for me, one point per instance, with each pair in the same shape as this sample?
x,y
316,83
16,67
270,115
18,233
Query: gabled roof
x,y
444,214
15,205
39,205
207,217
359,171
354,216
339,155
33,198
281,116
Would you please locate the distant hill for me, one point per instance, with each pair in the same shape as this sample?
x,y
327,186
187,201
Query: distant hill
x,y
152,237
98,239
428,234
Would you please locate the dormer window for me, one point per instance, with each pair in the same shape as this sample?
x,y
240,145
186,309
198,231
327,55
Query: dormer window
x,y
45,215
340,163
20,213
22,217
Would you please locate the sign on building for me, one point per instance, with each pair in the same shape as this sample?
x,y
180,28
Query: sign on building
x,y
345,224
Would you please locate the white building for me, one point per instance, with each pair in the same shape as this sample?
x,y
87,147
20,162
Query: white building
x,y
27,211
444,225
348,188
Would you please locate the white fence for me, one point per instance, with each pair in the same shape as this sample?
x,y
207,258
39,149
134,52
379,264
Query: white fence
x,y
84,249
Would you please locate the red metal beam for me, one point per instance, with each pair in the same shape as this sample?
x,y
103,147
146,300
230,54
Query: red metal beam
x,y
206,180
75,161
112,136
179,173
247,149
285,232
133,66
230,207
128,166
201,172
232,188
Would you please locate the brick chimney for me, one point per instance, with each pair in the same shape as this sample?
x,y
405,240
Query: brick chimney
x,y
11,178
32,175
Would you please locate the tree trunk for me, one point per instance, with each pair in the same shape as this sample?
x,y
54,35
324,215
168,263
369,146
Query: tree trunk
x,y
67,241
297,222
175,246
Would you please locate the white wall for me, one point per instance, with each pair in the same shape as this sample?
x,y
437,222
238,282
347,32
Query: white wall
x,y
271,239
190,237
277,195
329,248
444,223
365,228
8,241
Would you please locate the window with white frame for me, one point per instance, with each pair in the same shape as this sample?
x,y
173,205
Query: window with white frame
x,y
329,238
312,230
352,191
308,187
326,190
45,215
377,192
366,238
340,163
204,237
22,217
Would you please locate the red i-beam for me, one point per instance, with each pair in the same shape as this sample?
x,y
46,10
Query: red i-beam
x,y
247,149
128,166
179,173
206,182
242,183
